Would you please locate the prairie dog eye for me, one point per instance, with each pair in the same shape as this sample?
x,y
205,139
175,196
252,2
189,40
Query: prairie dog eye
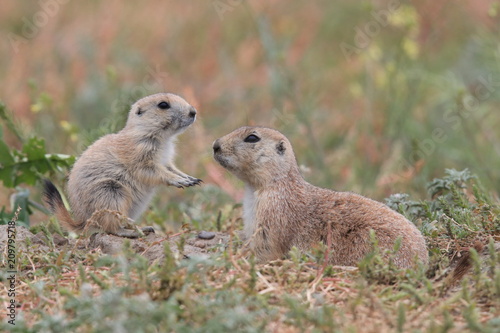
x,y
252,138
163,105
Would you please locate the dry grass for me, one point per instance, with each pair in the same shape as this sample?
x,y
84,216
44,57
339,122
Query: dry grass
x,y
388,119
73,289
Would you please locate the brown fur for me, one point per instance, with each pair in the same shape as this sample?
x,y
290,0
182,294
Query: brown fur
x,y
463,265
115,178
282,210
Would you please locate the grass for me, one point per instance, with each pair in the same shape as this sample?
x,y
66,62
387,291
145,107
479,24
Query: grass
x,y
67,289
418,97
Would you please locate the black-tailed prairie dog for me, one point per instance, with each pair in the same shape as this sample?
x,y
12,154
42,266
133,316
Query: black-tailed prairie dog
x,y
113,181
282,210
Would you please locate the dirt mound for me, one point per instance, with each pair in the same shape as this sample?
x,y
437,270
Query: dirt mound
x,y
151,246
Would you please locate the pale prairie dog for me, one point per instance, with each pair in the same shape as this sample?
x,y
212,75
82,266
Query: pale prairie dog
x,y
120,172
282,210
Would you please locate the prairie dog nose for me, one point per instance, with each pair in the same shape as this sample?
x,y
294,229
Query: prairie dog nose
x,y
216,146
192,112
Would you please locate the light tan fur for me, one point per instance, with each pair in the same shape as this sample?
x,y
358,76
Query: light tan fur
x,y
115,178
282,210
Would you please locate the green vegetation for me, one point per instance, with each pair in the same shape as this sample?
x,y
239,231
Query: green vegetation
x,y
25,167
70,290
372,103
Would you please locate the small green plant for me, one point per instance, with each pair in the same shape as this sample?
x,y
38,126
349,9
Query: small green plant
x,y
453,208
378,265
26,166
171,277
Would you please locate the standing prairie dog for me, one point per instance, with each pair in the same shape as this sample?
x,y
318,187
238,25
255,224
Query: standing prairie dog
x,y
282,210
115,178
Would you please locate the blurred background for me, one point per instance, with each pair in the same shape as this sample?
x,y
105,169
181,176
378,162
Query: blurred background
x,y
377,97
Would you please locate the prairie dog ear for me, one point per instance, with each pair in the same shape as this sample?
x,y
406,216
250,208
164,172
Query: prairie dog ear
x,y
139,112
280,148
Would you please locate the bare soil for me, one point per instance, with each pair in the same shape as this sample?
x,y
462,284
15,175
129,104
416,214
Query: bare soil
x,y
150,246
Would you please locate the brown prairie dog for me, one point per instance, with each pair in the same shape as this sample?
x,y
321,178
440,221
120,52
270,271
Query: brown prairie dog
x,y
116,177
282,210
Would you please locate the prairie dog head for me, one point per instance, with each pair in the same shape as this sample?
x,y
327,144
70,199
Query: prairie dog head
x,y
161,113
256,155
